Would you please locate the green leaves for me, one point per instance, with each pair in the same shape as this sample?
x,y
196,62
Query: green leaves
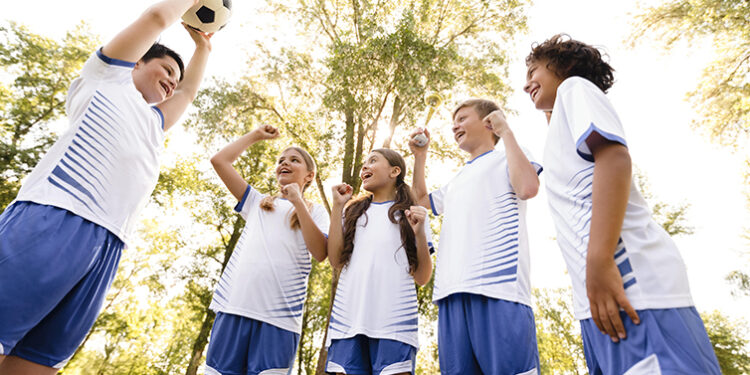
x,y
722,95
40,70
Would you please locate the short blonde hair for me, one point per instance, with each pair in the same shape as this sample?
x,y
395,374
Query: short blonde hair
x,y
483,107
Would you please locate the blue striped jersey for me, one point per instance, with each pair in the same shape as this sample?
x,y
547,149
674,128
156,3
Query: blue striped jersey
x,y
266,276
376,296
484,245
650,264
106,165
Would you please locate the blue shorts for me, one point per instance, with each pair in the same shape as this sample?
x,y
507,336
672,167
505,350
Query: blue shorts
x,y
363,355
244,346
482,335
55,269
668,341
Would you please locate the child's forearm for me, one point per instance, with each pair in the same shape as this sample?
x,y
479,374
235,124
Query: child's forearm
x,y
194,73
223,160
314,238
232,151
187,89
522,174
424,271
419,185
611,189
335,236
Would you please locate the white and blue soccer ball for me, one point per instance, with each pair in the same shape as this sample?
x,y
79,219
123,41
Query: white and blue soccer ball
x,y
209,15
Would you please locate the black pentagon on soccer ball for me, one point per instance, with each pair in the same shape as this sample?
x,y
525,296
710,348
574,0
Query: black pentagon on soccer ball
x,y
228,4
206,15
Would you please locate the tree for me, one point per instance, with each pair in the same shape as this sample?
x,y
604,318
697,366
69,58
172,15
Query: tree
x,y
729,339
671,218
722,95
558,333
41,70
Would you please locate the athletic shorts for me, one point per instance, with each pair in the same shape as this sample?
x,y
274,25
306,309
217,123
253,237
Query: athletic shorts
x,y
55,270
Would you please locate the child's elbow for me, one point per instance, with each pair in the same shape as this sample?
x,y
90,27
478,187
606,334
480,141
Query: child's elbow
x,y
529,191
157,16
216,160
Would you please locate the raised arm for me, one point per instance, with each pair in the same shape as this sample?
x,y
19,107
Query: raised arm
x,y
523,176
419,186
341,194
133,42
187,89
223,160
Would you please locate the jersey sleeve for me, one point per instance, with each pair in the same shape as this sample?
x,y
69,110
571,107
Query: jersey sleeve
x,y
102,68
250,199
436,200
534,162
588,110
321,218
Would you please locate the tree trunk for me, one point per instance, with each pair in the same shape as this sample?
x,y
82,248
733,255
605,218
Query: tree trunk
x,y
199,345
348,175
196,357
398,105
320,369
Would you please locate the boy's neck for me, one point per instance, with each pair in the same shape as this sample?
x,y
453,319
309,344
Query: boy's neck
x,y
479,150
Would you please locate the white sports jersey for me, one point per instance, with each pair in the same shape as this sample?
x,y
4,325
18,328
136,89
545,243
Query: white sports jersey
x,y
266,276
651,267
484,247
106,165
376,296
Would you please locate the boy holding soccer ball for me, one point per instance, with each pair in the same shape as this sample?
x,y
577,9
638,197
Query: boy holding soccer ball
x,y
62,237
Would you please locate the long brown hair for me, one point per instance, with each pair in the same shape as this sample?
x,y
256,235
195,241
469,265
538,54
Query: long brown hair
x,y
403,201
267,203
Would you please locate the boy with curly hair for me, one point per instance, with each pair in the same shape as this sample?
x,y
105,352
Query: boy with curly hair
x,y
630,287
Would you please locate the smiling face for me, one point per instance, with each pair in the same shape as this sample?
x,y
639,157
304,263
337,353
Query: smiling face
x,y
377,173
470,131
541,85
157,78
291,167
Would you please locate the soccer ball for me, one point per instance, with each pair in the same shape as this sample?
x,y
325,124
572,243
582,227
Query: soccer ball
x,y
209,15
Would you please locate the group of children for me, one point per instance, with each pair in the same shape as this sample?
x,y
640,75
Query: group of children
x,y
61,239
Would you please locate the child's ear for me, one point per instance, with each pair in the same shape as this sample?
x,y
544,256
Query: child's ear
x,y
395,171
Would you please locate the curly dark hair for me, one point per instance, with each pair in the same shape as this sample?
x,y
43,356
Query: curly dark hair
x,y
567,57
403,201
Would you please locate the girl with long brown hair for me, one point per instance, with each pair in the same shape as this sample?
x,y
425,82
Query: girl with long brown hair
x,y
382,246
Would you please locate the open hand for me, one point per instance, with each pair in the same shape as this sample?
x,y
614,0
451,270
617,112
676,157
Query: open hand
x,y
606,295
200,38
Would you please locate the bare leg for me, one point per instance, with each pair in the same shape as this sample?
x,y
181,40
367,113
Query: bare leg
x,y
2,357
18,366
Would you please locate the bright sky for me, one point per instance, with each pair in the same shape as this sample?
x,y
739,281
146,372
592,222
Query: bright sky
x,y
649,94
